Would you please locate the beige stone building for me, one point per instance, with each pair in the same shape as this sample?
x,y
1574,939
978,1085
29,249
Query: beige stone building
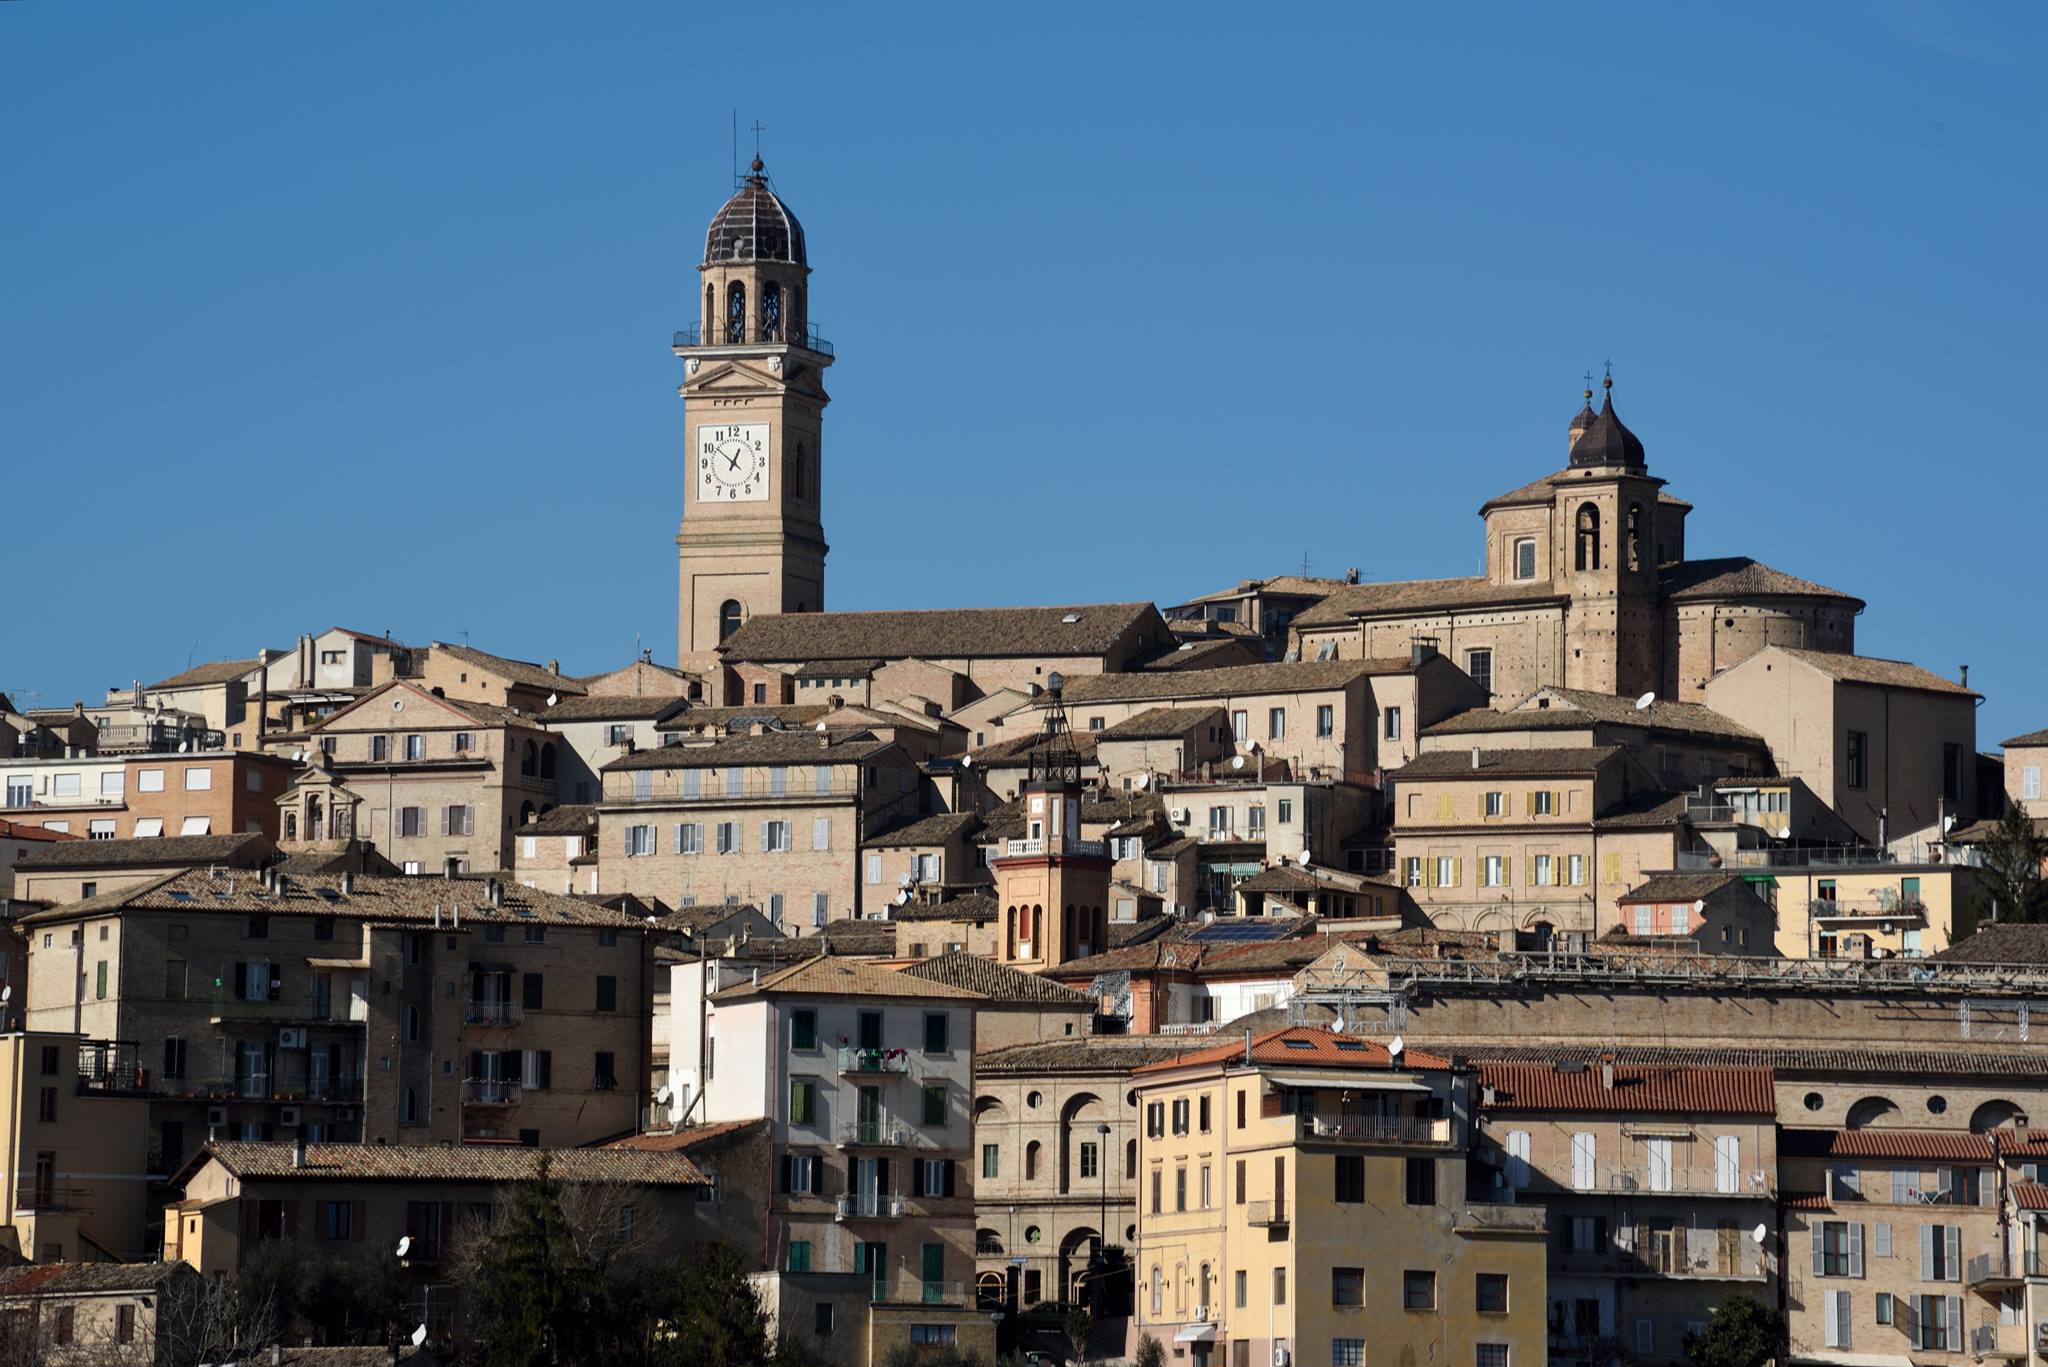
x,y
74,1141
1014,1008
54,874
1683,745
1306,1191
1587,586
1889,746
387,1010
775,818
92,1313
558,851
597,729
2026,757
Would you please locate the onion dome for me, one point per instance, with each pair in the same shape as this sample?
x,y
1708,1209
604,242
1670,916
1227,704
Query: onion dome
x,y
754,225
1605,442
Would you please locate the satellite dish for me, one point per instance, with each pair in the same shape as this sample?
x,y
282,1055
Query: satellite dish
x,y
1237,761
903,897
966,761
1394,1047
905,881
1699,904
404,1245
1759,1233
6,994
1144,782
553,698
419,1336
661,1097
1643,703
298,756
1784,832
1948,823
819,727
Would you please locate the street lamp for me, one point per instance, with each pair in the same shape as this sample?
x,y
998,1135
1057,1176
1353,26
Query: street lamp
x,y
1102,1170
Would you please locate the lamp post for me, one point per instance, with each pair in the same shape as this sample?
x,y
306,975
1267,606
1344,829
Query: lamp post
x,y
1102,1170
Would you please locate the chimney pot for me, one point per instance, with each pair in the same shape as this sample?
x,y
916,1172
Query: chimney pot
x,y
1607,1073
554,666
348,883
298,1153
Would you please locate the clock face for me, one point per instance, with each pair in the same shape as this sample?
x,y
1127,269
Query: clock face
x,y
732,463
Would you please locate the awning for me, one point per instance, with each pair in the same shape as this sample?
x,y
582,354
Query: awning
x,y
1344,1080
1196,1333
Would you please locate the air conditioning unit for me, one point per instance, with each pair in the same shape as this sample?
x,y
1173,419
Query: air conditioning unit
x,y
1279,1355
216,1115
289,1115
1180,816
345,1113
292,1037
1201,1313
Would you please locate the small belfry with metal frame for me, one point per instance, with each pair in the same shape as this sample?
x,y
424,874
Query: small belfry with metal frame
x,y
1052,885
752,539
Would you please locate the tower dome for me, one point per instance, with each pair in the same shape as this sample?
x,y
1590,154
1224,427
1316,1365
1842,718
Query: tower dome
x,y
1605,442
753,226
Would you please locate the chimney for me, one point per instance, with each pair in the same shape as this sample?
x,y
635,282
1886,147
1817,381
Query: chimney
x,y
437,915
1420,648
1607,1071
277,1355
78,704
1351,575
1475,757
494,892
348,883
1965,681
1247,1046
299,1153
554,666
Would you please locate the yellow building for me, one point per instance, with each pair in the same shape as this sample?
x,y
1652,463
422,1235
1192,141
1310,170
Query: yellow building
x,y
1301,1197
74,1149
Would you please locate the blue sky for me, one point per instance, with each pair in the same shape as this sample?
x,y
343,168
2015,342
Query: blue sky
x,y
359,314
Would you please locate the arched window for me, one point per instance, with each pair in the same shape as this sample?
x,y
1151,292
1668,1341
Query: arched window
x,y
736,313
1586,556
771,311
1131,1160
710,313
1872,1110
1635,536
793,473
547,760
1031,1161
529,759
728,618
526,812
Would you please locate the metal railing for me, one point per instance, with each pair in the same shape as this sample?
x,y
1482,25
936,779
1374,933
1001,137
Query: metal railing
x,y
715,785
1384,974
868,1206
158,739
1680,1180
40,1196
873,1134
1875,910
490,1013
1835,858
480,1091
917,1291
1705,1254
874,1061
1089,848
1261,1214
1372,1129
806,337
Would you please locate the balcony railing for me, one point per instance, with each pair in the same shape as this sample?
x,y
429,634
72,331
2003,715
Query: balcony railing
x,y
490,1013
1501,1217
1262,1214
874,1061
873,1134
55,1198
1880,909
157,738
479,1091
916,1291
806,337
856,1206
1372,1129
1092,849
1837,858
1704,1180
1997,1270
716,785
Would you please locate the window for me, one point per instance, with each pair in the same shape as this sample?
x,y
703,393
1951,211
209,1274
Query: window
x,y
1938,1323
729,837
1493,1354
1279,1286
1392,718
1411,872
607,993
1941,1253
1446,871
412,821
1525,558
935,1036
1343,1352
1493,872
1243,1288
1544,869
821,832
1585,1154
689,838
874,874
112,782
1180,1188
803,1101
46,1105
148,827
1575,869
1347,1286
1286,805
100,830
380,749
124,1324
1418,1290
1419,1181
2030,783
1952,772
1543,803
775,837
820,907
1241,725
1838,1249
800,1255
1517,1145
1491,1293
198,778
531,990
1479,664
1090,1160
461,820
1326,721
1350,1178
1276,723
1856,761
1586,538
149,780
991,1162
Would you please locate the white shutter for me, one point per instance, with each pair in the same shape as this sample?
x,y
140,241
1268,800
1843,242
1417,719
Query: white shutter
x,y
1820,1248
1952,1265
821,833
1902,1186
1518,1159
1836,1317
1881,1240
1660,1163
1927,1234
1856,1248
1727,1163
1584,1157
1953,1336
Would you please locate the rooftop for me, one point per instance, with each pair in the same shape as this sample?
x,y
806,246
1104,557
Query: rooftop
x,y
1507,763
1303,1046
998,982
1162,723
1680,887
1552,709
1643,1090
940,634
247,849
452,1163
1867,669
1289,676
770,747
610,707
514,671
216,672
831,976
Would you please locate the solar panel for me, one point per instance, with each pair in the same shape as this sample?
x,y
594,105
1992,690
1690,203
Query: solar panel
x,y
1223,932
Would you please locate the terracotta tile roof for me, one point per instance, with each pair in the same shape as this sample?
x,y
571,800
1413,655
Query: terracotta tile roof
x,y
219,671
15,830
1419,595
1679,887
1287,676
1204,654
1788,1061
693,717
1807,1200
936,829
1114,1054
1575,708
997,982
452,1163
2004,942
571,819
1129,934
246,850
1162,723
2031,738
976,908
1738,576
692,1138
946,633
1869,669
771,747
87,1279
1637,1089
609,707
2029,1195
516,671
832,976
1303,1046
1644,810
384,900
1507,763
1939,1145
1018,749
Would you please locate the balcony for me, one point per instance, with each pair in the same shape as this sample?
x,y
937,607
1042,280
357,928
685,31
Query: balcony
x,y
856,1206
489,1013
157,738
1742,1185
806,337
915,1291
1372,1129
1090,849
291,1087
1991,1273
44,1197
667,787
1688,1254
872,1134
1880,909
482,1091
1265,1214
1503,1219
865,1062
285,1009
1840,857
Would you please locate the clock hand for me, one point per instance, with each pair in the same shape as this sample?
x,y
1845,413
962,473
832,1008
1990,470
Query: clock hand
x,y
732,462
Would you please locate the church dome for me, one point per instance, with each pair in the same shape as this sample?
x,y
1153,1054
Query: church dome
x,y
754,225
1605,442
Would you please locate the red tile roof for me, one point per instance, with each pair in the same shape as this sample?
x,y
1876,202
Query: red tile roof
x,y
15,830
1941,1145
2030,1196
1808,1200
689,1138
1677,1091
1302,1046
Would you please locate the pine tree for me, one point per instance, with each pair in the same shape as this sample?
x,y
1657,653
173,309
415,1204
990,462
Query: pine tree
x,y
2009,870
1742,1332
714,1318
534,1300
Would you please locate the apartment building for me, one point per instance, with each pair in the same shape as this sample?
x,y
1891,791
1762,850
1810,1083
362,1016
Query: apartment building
x,y
558,851
1721,913
147,795
1895,1243
1302,1198
344,1008
18,840
1683,744
924,853
438,785
2026,757
1056,1137
91,1313
465,674
774,818
1526,839
866,1077
1012,1007
70,869
596,729
74,1142
1657,1182
1243,821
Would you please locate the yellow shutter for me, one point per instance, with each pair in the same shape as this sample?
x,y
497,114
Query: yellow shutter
x,y
1557,804
1444,810
1610,871
1457,873
1529,871
1528,804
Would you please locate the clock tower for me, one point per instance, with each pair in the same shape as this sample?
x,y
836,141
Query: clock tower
x,y
753,393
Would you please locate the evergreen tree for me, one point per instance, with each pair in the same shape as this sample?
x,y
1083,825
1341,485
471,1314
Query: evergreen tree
x,y
714,1318
1742,1332
2010,871
535,1300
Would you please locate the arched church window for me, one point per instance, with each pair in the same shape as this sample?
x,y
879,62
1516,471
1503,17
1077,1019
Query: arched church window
x,y
728,618
771,312
1586,556
736,313
1525,558
1635,536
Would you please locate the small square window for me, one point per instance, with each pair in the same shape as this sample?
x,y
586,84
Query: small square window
x,y
1418,1290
